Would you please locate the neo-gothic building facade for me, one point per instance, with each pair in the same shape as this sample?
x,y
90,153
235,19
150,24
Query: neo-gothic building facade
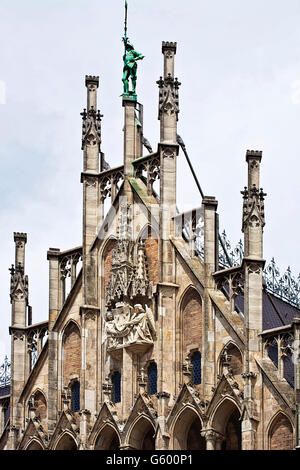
x,y
158,341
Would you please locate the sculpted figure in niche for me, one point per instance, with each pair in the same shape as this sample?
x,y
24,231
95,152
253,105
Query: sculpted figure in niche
x,y
126,325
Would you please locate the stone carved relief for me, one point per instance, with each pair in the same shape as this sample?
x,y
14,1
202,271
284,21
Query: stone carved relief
x,y
126,325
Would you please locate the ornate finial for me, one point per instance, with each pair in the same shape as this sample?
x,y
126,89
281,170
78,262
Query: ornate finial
x,y
130,66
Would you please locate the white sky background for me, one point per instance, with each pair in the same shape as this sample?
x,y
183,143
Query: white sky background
x,y
239,65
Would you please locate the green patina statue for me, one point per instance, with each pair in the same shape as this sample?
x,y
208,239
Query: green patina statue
x,y
130,67
130,58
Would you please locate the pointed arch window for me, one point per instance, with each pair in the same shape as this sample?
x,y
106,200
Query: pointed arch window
x,y
75,396
196,362
152,378
116,387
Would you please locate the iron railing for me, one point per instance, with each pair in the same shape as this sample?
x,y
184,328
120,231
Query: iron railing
x,y
5,373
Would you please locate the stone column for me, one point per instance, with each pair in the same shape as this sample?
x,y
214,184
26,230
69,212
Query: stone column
x,y
168,150
253,263
130,142
85,417
55,304
167,287
19,282
213,439
90,369
128,382
253,243
54,285
19,302
210,205
92,210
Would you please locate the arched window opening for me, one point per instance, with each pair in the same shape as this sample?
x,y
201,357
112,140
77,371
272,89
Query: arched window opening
x,y
116,387
66,442
40,405
34,446
194,439
71,353
107,439
196,363
187,432
142,435
149,441
231,357
152,378
191,318
75,396
233,433
281,434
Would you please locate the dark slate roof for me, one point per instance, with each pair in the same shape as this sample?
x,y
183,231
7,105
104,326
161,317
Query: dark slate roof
x,y
276,312
286,312
4,391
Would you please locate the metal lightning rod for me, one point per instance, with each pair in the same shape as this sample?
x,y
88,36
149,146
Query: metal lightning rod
x,y
125,22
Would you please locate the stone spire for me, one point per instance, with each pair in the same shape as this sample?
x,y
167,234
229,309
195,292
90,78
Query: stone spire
x,y
19,282
253,208
253,264
91,139
168,108
91,127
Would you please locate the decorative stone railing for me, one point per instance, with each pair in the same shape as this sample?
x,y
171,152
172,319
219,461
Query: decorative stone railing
x,y
5,371
148,168
37,336
190,225
278,345
109,182
68,266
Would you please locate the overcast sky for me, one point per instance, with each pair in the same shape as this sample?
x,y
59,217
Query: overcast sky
x,y
239,65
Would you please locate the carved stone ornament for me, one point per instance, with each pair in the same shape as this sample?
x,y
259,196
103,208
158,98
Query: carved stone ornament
x,y
253,208
168,96
129,327
90,315
168,153
90,181
18,335
18,283
91,127
254,268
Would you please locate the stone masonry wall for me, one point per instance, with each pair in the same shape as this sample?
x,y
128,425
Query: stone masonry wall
x,y
151,248
72,353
